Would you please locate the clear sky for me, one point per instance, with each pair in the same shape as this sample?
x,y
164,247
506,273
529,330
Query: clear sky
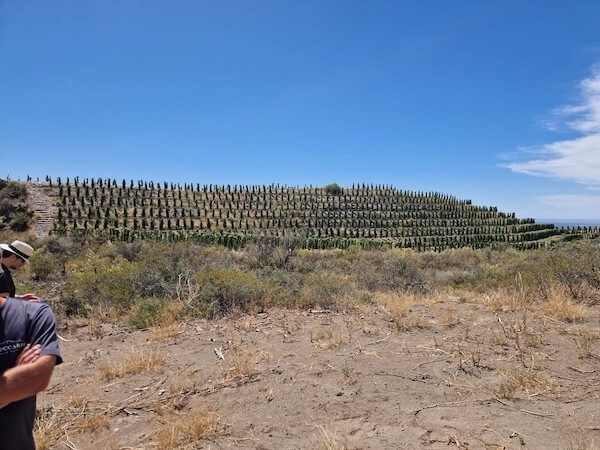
x,y
496,101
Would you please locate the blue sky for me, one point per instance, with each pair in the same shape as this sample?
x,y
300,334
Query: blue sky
x,y
494,101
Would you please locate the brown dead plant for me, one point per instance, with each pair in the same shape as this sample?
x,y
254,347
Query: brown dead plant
x,y
529,381
183,429
137,361
239,362
326,338
564,309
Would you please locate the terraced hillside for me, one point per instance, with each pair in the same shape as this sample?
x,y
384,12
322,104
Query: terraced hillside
x,y
324,217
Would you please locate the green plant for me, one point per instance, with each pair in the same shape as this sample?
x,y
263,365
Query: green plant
x,y
147,312
223,290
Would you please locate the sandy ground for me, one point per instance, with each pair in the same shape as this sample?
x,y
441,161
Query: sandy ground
x,y
447,374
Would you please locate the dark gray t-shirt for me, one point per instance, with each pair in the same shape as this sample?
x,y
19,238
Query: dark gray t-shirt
x,y
6,282
23,322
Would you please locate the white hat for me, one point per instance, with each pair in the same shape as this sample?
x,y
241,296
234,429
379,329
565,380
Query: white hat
x,y
19,248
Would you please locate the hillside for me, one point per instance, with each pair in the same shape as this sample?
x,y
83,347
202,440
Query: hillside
x,y
324,217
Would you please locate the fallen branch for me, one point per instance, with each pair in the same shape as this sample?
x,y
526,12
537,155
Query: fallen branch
x,y
581,370
441,405
533,413
429,362
380,340
400,376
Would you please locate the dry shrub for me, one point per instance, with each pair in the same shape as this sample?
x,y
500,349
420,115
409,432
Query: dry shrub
x,y
136,361
350,376
325,290
223,290
523,334
239,362
47,429
327,338
246,324
565,309
507,300
166,333
370,329
185,428
586,341
527,380
78,401
264,355
89,422
331,440
403,316
450,318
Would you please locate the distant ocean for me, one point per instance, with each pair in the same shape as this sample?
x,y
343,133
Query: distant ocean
x,y
571,222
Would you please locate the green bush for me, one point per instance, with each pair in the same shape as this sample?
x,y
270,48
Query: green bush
x,y
43,266
13,190
324,290
100,283
147,312
334,189
20,222
396,270
223,290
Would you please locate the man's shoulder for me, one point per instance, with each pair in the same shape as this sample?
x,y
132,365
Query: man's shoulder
x,y
28,307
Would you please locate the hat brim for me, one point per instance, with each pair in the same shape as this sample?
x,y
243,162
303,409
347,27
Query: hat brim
x,y
7,248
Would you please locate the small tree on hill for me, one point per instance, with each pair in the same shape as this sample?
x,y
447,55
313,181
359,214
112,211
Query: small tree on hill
x,y
334,189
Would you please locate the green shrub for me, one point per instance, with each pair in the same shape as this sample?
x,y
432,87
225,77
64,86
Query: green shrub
x,y
223,290
13,190
334,189
396,270
147,312
324,290
100,283
43,266
20,222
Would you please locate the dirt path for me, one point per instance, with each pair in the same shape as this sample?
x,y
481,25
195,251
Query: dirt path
x,y
453,375
43,205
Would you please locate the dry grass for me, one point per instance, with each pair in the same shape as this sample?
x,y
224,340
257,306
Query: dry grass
x,y
586,341
246,324
166,333
134,362
169,324
507,300
565,309
183,429
523,334
402,308
350,376
47,430
450,318
529,381
89,422
327,338
264,355
331,440
238,362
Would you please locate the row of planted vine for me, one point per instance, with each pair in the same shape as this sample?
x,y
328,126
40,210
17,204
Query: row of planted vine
x,y
363,213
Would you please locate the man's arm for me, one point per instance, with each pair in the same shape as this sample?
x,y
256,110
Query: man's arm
x,y
26,380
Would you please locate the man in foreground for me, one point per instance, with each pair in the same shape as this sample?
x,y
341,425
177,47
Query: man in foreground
x,y
13,256
28,353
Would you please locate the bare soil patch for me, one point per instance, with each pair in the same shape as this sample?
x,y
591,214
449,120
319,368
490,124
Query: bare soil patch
x,y
438,373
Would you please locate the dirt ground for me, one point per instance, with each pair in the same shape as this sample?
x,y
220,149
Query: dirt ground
x,y
443,373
